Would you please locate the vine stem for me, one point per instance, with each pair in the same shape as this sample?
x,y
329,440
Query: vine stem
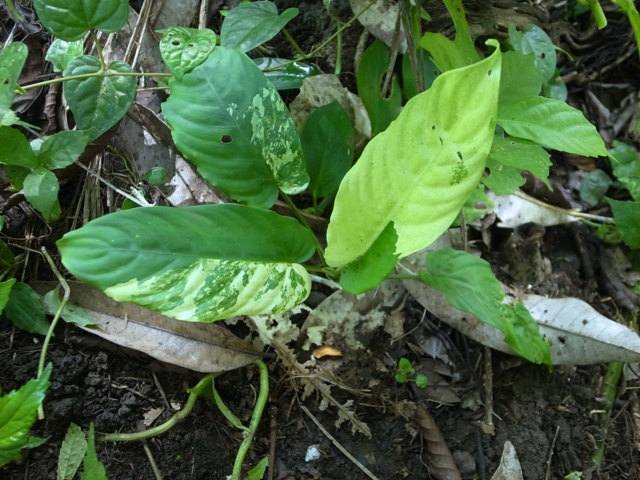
x,y
54,322
96,41
92,75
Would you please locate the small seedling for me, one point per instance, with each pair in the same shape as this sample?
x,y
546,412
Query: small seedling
x,y
406,373
573,476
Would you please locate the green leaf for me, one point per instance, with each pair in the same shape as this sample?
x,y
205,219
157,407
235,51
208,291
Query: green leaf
x,y
257,472
594,186
198,263
15,149
18,411
10,118
5,292
520,77
444,52
183,49
285,74
421,380
555,89
535,40
327,143
156,176
627,167
463,40
508,157
70,19
552,124
93,469
230,121
70,313
63,148
16,176
476,205
251,24
372,268
627,218
419,172
72,451
373,66
12,58
61,53
468,284
98,102
25,310
41,191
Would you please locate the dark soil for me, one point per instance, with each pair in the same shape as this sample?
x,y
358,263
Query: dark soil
x,y
551,418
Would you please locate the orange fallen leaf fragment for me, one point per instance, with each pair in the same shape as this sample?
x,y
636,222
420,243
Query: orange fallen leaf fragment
x,y
327,351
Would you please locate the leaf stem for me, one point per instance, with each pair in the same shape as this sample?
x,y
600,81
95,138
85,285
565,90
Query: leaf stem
x,y
261,402
303,221
54,322
293,43
92,75
96,41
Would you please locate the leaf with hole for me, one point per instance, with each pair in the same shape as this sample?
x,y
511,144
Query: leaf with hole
x,y
230,121
254,23
535,40
419,172
70,19
327,143
40,189
183,49
552,124
210,262
98,102
60,53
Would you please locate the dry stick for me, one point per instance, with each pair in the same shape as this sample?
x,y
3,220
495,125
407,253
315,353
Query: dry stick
x,y
487,425
553,446
204,11
337,444
152,461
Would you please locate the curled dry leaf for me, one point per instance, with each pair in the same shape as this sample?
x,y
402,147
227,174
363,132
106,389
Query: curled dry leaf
x,y
380,20
515,210
509,468
197,346
577,333
438,456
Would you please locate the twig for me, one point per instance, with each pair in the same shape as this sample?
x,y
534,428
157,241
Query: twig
x,y
152,461
553,446
487,425
338,445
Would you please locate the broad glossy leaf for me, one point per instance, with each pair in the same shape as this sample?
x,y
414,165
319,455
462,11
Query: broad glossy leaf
x,y
197,263
183,49
327,142
372,268
373,66
251,24
520,77
63,148
98,102
15,149
535,40
419,172
627,218
283,74
12,58
229,120
444,52
61,53
41,191
70,19
469,285
18,410
552,124
25,310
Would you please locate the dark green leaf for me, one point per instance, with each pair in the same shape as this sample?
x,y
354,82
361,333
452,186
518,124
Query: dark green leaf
x,y
594,186
251,24
61,53
12,58
25,310
41,191
18,411
526,339
63,148
183,49
98,102
535,40
627,218
555,89
5,292
15,149
257,472
372,268
70,19
328,148
552,124
373,67
156,176
93,469
520,77
283,74
230,121
16,176
627,167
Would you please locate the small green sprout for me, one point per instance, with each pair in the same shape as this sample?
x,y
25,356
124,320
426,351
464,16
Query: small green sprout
x,y
406,372
574,476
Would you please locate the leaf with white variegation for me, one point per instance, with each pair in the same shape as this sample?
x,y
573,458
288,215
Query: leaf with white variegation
x,y
552,124
230,121
419,172
200,263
